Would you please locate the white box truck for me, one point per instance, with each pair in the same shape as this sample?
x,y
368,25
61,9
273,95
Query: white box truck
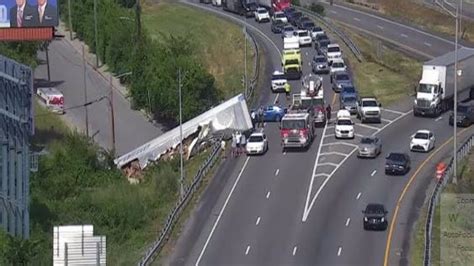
x,y
435,92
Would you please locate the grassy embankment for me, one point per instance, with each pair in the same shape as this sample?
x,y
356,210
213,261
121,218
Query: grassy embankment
x,y
465,185
72,187
219,42
414,12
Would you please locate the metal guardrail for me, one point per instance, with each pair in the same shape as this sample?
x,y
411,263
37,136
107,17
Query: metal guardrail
x,y
352,46
180,206
463,151
253,81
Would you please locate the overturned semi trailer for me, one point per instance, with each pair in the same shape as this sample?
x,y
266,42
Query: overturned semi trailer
x,y
221,120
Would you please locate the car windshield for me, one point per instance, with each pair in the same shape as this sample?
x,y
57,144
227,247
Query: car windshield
x,y
338,65
426,88
344,122
317,29
324,43
369,103
291,62
309,24
278,76
349,99
256,138
367,141
397,157
262,11
293,124
462,109
297,14
342,77
333,49
306,103
292,70
323,37
288,28
374,209
319,59
422,135
348,89
279,15
303,33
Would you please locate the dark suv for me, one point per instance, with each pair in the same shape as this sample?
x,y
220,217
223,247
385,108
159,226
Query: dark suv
x,y
375,217
465,115
397,164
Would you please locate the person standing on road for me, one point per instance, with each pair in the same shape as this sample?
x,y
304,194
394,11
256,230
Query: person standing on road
x,y
288,91
233,145
260,116
243,142
328,112
238,137
253,116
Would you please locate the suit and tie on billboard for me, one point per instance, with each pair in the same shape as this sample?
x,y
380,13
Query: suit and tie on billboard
x,y
28,13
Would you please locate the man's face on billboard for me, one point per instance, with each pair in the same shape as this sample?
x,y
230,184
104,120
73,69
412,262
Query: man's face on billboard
x,y
41,2
20,2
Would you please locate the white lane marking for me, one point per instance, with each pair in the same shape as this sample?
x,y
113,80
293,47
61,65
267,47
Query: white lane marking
x,y
358,195
284,153
340,143
373,173
332,11
395,112
294,250
321,174
328,164
307,209
380,27
366,126
247,250
427,44
439,118
348,221
386,120
221,212
258,221
310,188
357,19
393,22
334,153
359,135
309,64
404,35
277,171
268,195
339,251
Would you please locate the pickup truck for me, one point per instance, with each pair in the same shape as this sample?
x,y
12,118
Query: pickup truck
x,y
368,109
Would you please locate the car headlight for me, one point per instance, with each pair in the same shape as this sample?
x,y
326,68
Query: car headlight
x,y
339,85
365,219
382,220
415,101
351,130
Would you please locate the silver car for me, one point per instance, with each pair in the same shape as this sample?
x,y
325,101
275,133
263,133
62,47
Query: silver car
x,y
369,147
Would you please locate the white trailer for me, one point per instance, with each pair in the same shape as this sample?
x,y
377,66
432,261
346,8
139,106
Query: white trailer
x,y
435,92
292,42
52,98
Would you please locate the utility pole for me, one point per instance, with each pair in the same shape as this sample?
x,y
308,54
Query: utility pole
x,y
455,156
181,181
46,46
96,35
85,90
112,115
70,18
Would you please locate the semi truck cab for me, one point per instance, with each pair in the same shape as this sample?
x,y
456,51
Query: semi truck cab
x,y
429,93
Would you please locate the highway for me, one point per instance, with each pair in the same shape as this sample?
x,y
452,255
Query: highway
x,y
304,208
67,74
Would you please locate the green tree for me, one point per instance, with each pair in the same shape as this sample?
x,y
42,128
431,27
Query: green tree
x,y
16,251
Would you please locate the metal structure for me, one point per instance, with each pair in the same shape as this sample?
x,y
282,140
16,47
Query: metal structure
x,y
16,128
77,245
456,74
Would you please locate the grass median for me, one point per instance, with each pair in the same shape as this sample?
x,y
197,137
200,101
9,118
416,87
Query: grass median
x,y
220,43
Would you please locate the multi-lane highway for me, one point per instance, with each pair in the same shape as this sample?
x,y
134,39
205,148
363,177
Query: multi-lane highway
x,y
304,208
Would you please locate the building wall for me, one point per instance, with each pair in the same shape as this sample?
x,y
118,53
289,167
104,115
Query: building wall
x,y
16,129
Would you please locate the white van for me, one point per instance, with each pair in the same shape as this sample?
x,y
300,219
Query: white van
x,y
52,98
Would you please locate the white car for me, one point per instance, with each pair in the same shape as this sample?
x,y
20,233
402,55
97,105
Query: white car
x,y
280,16
278,81
262,15
344,126
337,65
423,140
316,31
333,51
257,143
303,37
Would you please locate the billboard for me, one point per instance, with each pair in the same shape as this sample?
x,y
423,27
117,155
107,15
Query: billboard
x,y
28,13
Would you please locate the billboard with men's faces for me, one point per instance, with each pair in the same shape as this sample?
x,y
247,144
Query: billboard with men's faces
x,y
28,13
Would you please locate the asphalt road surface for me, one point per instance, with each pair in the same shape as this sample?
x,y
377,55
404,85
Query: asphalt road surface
x,y
132,129
304,208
